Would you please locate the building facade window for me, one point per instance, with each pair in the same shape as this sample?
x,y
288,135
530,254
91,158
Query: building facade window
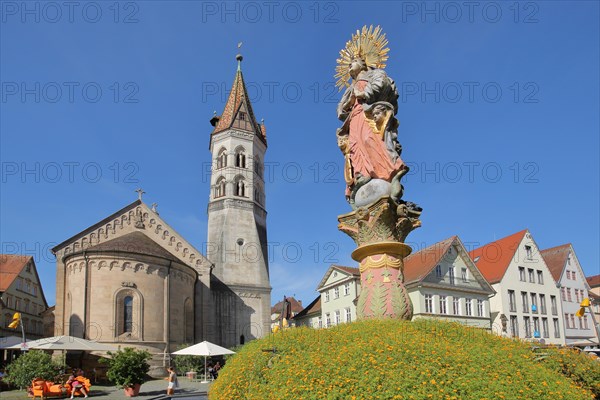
x,y
220,188
327,296
545,331
569,298
338,318
534,303
348,314
553,305
585,322
240,159
128,314
320,322
347,289
480,308
514,326
240,188
527,327
464,275
429,303
468,307
540,277
451,275
222,159
438,271
512,301
556,327
536,327
531,276
542,303
522,274
443,305
572,321
455,306
336,293
525,301
327,320
567,323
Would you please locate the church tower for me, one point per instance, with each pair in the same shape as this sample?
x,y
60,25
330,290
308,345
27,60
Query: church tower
x,y
237,226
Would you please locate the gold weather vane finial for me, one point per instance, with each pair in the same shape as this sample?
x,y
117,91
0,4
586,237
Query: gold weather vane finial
x,y
368,44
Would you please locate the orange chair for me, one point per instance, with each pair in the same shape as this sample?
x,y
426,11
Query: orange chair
x,y
43,389
86,384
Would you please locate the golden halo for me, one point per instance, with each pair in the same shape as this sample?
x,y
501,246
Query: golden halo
x,y
368,44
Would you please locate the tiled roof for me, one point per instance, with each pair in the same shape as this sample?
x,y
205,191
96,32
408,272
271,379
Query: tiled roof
x,y
10,267
418,265
312,308
238,97
494,258
593,281
295,306
350,270
556,258
135,242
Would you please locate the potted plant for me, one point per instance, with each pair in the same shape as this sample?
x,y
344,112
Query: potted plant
x,y
128,369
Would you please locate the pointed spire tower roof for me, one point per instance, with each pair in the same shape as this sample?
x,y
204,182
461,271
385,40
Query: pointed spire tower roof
x,y
238,113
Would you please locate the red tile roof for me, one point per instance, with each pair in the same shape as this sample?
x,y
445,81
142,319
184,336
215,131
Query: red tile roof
x,y
295,306
312,308
10,267
494,258
350,270
418,265
556,259
593,281
238,97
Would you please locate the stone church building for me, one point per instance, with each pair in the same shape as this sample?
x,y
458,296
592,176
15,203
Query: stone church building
x,y
132,280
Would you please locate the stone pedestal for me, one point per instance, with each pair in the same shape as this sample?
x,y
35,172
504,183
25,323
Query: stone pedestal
x,y
379,229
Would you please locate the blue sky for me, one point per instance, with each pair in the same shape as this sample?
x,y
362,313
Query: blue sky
x,y
498,119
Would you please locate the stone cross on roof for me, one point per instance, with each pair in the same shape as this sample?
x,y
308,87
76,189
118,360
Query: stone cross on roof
x,y
140,193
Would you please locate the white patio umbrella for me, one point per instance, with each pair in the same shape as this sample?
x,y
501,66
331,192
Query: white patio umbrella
x,y
204,349
64,343
9,341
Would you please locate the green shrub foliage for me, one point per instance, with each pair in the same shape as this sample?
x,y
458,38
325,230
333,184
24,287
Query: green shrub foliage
x,y
386,359
31,365
127,367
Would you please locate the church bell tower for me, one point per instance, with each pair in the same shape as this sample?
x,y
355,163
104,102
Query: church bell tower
x,y
237,221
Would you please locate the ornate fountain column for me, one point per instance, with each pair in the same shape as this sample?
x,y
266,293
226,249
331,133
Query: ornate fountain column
x,y
368,137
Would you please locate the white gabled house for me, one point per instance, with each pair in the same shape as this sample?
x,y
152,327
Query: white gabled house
x,y
443,282
339,291
568,274
527,302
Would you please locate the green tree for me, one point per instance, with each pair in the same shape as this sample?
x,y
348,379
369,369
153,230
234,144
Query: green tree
x,y
127,367
31,365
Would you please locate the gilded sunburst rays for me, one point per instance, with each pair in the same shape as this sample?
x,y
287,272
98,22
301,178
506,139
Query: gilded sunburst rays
x,y
368,44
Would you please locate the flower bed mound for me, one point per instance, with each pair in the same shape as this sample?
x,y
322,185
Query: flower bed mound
x,y
391,360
